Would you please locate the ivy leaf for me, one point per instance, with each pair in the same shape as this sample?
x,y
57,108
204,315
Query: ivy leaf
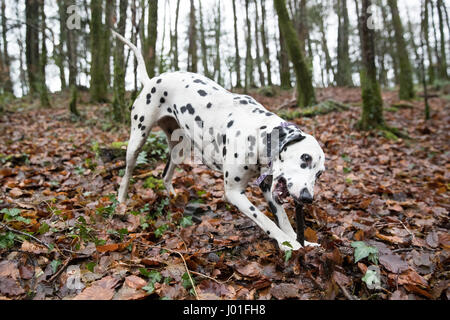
x,y
186,281
362,250
149,287
55,264
186,222
372,279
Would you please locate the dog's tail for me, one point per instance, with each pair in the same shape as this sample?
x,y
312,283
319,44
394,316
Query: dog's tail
x,y
141,69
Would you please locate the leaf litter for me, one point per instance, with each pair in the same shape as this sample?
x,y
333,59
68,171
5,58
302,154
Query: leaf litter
x,y
380,204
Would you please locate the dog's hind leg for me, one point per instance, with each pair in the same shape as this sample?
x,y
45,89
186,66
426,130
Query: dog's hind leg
x,y
168,174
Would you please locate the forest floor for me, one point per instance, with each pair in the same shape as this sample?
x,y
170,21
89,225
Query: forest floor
x,y
382,201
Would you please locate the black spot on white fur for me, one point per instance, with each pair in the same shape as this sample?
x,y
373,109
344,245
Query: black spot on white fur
x,y
230,124
202,93
141,118
153,90
209,105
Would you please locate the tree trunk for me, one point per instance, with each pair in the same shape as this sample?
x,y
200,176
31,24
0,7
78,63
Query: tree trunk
x,y
98,84
43,92
218,32
110,6
302,25
249,79
344,68
414,47
5,68
305,91
372,113
285,71
175,39
203,46
32,43
392,47
59,57
119,104
265,45
436,43
426,32
424,35
262,79
406,75
150,41
443,67
328,62
192,49
236,46
162,65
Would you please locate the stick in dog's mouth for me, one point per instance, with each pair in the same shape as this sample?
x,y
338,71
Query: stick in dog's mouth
x,y
280,194
299,219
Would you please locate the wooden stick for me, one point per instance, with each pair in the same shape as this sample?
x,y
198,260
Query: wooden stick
x,y
24,234
299,219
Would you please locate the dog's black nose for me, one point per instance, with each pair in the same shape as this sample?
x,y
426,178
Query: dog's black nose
x,y
305,196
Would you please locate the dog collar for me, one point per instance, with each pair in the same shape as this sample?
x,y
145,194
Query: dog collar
x,y
269,171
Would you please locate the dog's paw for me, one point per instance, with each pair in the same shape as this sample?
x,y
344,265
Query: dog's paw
x,y
311,244
289,245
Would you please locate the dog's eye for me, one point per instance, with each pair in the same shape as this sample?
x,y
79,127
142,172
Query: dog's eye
x,y
318,174
306,158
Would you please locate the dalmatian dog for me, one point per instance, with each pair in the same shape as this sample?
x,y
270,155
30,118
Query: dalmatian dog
x,y
235,135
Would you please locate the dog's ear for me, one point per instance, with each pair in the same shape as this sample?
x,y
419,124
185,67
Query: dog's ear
x,y
286,136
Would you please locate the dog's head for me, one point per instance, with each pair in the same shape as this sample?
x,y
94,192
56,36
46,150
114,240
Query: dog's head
x,y
298,161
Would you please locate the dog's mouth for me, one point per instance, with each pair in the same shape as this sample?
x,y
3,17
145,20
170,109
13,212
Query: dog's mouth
x,y
280,192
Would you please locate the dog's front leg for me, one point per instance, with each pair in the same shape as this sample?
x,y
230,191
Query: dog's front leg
x,y
238,198
278,211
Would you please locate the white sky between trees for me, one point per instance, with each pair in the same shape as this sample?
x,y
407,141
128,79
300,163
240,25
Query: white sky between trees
x,y
15,12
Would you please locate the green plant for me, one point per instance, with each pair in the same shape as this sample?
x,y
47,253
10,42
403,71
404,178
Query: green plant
x,y
287,253
362,250
153,183
153,276
13,214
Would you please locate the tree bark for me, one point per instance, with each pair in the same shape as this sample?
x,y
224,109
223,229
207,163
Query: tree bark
x,y
32,43
5,68
203,46
218,33
283,57
305,90
59,57
426,33
443,67
110,6
119,104
236,46
266,56
150,41
175,39
372,113
406,91
192,49
262,78
249,78
43,92
98,84
344,68
392,47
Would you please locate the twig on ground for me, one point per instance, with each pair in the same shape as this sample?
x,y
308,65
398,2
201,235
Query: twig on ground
x,y
66,263
24,234
346,293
